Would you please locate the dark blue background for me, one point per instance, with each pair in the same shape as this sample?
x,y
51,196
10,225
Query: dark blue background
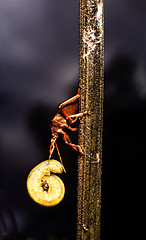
x,y
39,68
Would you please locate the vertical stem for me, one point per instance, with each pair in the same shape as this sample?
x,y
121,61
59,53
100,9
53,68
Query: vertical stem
x,y
90,130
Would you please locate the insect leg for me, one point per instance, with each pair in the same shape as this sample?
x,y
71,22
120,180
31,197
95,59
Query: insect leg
x,y
72,129
70,100
68,141
70,117
77,115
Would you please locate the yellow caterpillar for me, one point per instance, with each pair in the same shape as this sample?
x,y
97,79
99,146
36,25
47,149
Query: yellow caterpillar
x,y
46,188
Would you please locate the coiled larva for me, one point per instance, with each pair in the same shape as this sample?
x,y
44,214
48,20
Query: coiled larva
x,y
46,188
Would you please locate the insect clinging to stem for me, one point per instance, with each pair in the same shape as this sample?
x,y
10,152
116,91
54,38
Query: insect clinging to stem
x,y
64,118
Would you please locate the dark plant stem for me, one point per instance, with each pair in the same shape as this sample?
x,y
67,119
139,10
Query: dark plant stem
x,y
90,130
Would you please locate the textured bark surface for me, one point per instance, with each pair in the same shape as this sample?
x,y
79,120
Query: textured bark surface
x,y
90,130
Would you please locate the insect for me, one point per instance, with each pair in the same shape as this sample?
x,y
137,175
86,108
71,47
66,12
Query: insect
x,y
65,117
43,186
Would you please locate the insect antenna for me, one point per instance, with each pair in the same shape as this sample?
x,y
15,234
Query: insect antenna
x,y
60,157
52,145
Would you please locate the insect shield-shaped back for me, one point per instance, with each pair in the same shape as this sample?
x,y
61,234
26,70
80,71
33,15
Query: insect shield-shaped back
x,y
46,188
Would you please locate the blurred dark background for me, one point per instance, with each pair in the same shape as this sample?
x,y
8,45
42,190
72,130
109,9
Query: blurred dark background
x,y
39,68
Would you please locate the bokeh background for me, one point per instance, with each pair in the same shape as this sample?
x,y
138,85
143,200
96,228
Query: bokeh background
x,y
39,68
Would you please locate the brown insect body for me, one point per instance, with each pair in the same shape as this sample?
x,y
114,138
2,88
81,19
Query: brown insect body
x,y
66,116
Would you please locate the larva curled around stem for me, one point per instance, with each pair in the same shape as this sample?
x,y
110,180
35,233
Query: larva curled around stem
x,y
46,188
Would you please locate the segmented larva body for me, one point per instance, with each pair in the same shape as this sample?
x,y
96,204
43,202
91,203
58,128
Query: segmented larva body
x,y
46,188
